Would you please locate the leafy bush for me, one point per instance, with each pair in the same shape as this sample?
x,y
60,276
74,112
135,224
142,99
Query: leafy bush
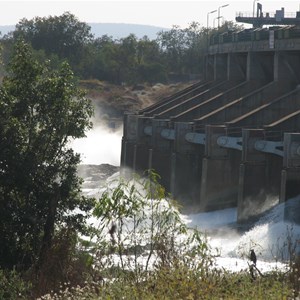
x,y
40,111
12,286
143,230
64,263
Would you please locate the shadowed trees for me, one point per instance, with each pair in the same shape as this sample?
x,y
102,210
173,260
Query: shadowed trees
x,y
40,110
62,35
126,60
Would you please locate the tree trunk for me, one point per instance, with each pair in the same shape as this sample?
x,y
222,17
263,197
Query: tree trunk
x,y
49,227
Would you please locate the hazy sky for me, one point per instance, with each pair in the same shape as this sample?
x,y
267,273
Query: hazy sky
x,y
151,12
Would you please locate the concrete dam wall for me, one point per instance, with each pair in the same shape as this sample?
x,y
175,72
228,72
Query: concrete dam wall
x,y
232,139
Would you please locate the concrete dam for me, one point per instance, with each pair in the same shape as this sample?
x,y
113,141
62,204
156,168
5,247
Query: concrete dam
x,y
233,138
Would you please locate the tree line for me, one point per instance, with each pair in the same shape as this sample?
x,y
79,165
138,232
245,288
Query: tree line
x,y
126,60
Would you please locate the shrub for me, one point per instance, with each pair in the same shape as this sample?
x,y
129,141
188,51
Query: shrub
x,y
12,286
143,230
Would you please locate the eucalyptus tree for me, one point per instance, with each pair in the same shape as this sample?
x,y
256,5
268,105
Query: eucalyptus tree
x,y
40,192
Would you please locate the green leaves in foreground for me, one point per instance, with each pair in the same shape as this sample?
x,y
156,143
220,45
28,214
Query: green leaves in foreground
x,y
148,232
40,110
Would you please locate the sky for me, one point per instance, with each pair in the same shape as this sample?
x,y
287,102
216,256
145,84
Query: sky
x,y
147,12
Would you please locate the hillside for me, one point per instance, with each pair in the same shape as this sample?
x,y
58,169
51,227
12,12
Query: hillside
x,y
111,101
4,29
118,31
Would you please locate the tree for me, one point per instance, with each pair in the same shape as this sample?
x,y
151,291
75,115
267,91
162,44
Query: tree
x,y
40,110
148,60
62,35
183,50
231,26
195,41
125,57
172,45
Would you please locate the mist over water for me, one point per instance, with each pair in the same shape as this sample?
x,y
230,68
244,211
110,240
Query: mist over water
x,y
100,146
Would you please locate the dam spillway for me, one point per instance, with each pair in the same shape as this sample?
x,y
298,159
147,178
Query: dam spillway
x,y
233,138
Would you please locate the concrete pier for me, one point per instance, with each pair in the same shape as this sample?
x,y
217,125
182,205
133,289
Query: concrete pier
x,y
187,158
253,176
220,176
290,176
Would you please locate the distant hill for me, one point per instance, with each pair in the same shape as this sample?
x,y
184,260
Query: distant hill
x,y
118,31
4,29
115,30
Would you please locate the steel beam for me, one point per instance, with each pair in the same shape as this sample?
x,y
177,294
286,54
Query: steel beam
x,y
270,147
196,138
230,142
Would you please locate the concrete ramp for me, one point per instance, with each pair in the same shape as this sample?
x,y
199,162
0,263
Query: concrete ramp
x,y
177,97
216,90
269,113
243,105
215,102
290,122
177,94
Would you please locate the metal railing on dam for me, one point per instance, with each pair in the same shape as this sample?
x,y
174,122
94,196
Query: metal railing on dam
x,y
256,39
232,139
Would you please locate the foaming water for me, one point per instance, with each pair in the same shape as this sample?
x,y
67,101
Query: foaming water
x,y
101,145
272,238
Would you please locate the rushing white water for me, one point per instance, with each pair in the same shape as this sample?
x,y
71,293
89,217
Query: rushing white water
x,y
100,146
271,237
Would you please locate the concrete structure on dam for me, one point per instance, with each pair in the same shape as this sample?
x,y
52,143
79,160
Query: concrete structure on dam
x,y
232,139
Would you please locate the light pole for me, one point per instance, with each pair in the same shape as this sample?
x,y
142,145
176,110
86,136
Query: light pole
x,y
207,25
254,7
211,12
219,8
216,18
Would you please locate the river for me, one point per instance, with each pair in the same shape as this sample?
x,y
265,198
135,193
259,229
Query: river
x,y
271,237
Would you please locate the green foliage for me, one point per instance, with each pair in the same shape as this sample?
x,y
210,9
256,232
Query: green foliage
x,y
53,61
184,49
140,231
64,264
230,26
126,60
40,110
182,282
12,286
62,35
